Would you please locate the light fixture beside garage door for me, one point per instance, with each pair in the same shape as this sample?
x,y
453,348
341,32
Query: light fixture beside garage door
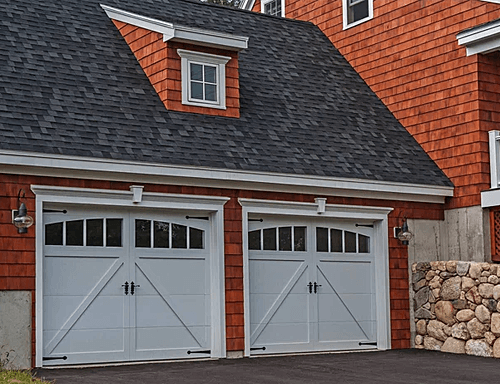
x,y
402,233
20,216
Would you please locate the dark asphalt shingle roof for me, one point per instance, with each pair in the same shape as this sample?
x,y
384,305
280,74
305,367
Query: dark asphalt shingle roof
x,y
70,85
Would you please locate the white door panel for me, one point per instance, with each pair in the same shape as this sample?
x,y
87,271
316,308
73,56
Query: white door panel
x,y
88,317
312,296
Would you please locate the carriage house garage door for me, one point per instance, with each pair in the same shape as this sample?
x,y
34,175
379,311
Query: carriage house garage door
x,y
312,285
125,285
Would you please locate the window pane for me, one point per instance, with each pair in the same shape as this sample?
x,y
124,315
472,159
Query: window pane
x,y
350,242
179,236
210,76
321,239
358,11
336,240
299,235
143,234
95,236
270,239
254,240
210,92
195,238
196,90
74,232
161,234
196,72
363,244
285,236
114,232
54,234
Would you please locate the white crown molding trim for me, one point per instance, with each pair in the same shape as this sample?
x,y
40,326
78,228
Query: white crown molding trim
x,y
38,164
178,32
481,39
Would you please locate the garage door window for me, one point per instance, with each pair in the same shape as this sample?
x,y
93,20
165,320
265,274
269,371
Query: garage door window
x,y
160,234
278,239
81,233
336,240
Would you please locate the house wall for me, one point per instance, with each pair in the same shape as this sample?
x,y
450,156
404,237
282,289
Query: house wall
x,y
162,65
17,252
409,55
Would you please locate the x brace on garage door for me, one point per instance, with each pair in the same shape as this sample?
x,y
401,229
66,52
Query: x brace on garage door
x,y
315,282
120,281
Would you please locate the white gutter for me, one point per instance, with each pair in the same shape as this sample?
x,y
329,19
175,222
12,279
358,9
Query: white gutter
x,y
132,171
481,39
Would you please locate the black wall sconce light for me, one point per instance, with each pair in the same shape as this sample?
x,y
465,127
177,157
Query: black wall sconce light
x,y
402,233
20,217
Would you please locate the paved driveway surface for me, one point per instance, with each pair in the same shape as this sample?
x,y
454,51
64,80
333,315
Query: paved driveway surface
x,y
389,367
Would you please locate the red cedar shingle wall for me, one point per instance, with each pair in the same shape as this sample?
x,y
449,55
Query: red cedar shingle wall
x,y
409,55
162,65
17,252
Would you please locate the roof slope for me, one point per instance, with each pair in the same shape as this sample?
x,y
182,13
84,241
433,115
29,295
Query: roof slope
x,y
70,85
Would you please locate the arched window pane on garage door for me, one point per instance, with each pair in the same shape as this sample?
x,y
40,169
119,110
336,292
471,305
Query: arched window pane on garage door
x,y
288,238
341,241
159,234
95,232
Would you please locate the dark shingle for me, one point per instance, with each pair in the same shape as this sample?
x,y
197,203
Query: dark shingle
x,y
70,85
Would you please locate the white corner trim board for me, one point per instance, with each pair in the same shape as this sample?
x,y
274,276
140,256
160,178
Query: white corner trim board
x,y
137,172
178,32
481,39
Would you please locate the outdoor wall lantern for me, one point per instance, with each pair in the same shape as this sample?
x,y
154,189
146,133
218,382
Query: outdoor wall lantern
x,y
20,217
402,233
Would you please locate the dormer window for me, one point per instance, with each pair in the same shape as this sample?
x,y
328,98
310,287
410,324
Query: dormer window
x,y
273,7
357,12
203,79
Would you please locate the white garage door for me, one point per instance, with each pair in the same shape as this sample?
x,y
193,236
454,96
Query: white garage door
x,y
311,286
125,285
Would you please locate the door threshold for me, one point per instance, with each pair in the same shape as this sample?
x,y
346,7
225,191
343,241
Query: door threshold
x,y
125,363
317,352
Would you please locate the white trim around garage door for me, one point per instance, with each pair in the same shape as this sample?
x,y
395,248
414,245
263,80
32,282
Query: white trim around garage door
x,y
119,198
376,215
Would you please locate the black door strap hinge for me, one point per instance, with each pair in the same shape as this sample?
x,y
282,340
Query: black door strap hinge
x,y
365,225
55,358
367,343
198,218
258,349
206,352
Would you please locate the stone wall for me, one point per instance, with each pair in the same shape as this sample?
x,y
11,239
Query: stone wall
x,y
457,307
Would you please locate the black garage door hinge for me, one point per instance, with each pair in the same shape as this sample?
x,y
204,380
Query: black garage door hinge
x,y
207,352
198,218
258,349
365,225
55,358
367,343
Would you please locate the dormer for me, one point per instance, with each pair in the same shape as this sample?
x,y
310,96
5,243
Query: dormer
x,y
192,70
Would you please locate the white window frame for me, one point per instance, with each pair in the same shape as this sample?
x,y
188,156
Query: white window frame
x,y
264,2
188,57
345,9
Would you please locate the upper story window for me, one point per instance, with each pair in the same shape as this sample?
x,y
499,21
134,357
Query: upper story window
x,y
273,7
203,79
356,12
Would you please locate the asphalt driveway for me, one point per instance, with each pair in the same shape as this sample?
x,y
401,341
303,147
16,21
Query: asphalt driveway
x,y
388,367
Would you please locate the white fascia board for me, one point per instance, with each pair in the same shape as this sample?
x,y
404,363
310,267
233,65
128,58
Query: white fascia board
x,y
490,198
482,39
178,32
130,171
492,1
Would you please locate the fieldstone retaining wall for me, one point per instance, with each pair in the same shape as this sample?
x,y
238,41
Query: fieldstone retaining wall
x,y
457,307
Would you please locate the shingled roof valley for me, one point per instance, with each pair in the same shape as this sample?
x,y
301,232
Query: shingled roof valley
x,y
70,85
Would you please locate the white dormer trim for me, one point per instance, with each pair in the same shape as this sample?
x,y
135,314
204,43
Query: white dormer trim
x,y
179,33
482,39
248,4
